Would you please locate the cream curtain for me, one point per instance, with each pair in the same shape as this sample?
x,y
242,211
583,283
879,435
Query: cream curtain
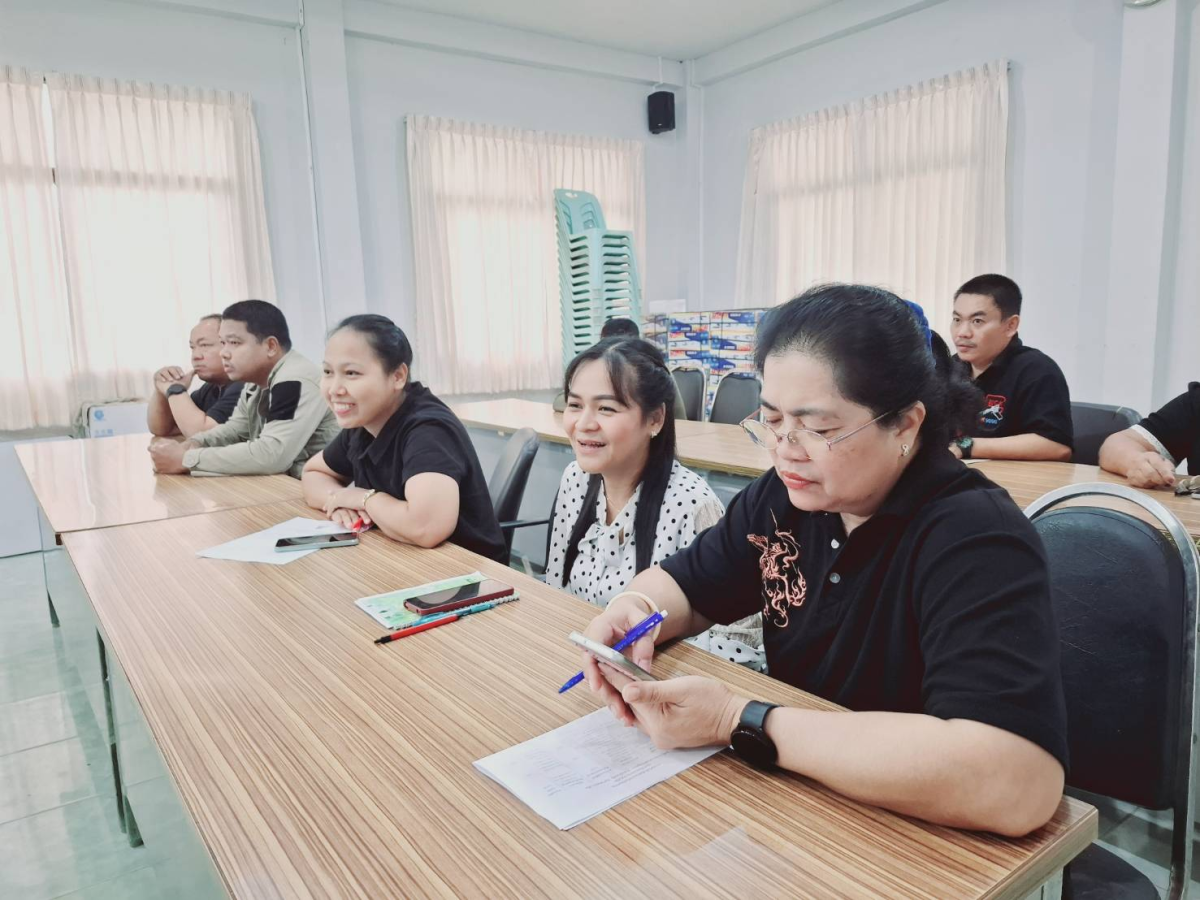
x,y
905,190
163,221
484,243
35,350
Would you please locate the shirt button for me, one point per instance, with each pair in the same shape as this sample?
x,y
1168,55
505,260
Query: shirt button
x,y
835,578
835,543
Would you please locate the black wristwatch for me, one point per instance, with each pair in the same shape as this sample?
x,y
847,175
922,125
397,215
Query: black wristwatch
x,y
175,389
750,741
964,446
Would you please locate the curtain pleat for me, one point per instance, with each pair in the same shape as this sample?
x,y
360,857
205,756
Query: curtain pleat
x,y
905,190
484,243
163,221
35,353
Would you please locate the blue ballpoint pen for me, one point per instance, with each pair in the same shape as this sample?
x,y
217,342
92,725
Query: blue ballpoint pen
x,y
640,630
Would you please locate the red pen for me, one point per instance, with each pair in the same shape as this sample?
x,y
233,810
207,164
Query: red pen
x,y
357,524
417,629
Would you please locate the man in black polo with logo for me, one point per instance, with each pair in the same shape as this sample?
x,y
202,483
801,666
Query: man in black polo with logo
x,y
1148,453
1027,406
172,410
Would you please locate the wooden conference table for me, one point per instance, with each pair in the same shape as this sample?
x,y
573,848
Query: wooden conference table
x,y
726,449
701,445
315,763
102,482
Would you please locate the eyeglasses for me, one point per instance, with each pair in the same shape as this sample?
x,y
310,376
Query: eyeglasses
x,y
811,442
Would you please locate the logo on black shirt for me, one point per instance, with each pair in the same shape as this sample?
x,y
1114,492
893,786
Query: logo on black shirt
x,y
783,583
993,414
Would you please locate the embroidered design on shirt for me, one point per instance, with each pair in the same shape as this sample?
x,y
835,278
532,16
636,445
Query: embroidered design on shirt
x,y
784,586
993,414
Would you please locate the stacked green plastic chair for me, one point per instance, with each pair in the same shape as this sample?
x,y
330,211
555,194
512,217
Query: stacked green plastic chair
x,y
598,276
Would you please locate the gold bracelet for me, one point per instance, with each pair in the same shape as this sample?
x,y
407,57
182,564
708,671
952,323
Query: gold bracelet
x,y
367,496
653,607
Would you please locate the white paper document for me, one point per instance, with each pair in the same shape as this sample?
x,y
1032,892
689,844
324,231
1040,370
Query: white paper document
x,y
260,546
578,771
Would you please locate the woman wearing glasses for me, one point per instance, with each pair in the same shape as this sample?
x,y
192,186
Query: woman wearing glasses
x,y
892,579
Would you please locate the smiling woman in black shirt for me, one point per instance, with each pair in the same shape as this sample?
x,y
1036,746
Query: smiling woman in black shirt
x,y
892,580
409,464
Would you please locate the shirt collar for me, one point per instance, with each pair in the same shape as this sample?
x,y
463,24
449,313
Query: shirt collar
x,y
378,447
605,542
275,368
1000,363
932,469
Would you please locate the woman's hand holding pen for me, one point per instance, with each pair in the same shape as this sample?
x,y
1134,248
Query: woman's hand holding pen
x,y
608,628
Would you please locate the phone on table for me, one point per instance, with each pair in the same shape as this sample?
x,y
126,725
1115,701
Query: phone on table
x,y
456,598
316,541
614,658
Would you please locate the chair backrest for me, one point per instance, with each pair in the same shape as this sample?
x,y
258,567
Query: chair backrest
x,y
690,384
507,484
737,397
1125,596
680,406
1092,423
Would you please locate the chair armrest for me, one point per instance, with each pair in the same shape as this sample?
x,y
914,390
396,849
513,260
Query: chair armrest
x,y
522,523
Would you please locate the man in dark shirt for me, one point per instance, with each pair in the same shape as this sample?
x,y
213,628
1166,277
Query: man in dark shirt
x,y
1149,452
422,436
1027,411
172,410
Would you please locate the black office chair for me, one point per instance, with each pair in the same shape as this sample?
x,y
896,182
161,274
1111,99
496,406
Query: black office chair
x,y
1125,595
1092,423
737,397
689,383
507,484
680,406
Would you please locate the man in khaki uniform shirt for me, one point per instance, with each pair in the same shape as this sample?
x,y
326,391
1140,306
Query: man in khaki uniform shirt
x,y
281,419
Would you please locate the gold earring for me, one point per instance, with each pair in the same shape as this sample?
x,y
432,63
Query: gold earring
x,y
904,449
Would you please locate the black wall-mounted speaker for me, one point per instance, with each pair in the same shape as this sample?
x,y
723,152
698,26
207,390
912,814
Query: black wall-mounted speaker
x,y
660,107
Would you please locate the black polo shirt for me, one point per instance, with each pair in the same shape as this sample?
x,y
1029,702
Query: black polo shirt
x,y
1024,393
1177,427
423,435
937,604
217,401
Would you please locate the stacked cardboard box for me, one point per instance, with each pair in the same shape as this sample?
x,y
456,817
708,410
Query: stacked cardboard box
x,y
718,342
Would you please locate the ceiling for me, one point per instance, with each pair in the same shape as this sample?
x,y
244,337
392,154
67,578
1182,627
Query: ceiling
x,y
673,29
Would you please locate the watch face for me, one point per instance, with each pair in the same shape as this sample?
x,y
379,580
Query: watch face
x,y
754,747
175,389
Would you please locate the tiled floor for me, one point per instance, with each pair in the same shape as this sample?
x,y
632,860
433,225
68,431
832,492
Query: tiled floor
x,y
58,823
59,832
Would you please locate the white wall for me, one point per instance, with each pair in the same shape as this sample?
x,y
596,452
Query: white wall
x,y
1063,100
1182,363
144,43
389,81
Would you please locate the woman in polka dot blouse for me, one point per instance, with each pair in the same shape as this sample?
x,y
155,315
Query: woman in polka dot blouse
x,y
626,503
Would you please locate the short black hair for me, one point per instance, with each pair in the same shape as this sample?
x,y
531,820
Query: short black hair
x,y
619,328
862,331
262,319
1003,291
385,338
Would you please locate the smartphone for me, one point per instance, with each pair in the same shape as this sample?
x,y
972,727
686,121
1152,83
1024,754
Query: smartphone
x,y
613,657
455,598
316,541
